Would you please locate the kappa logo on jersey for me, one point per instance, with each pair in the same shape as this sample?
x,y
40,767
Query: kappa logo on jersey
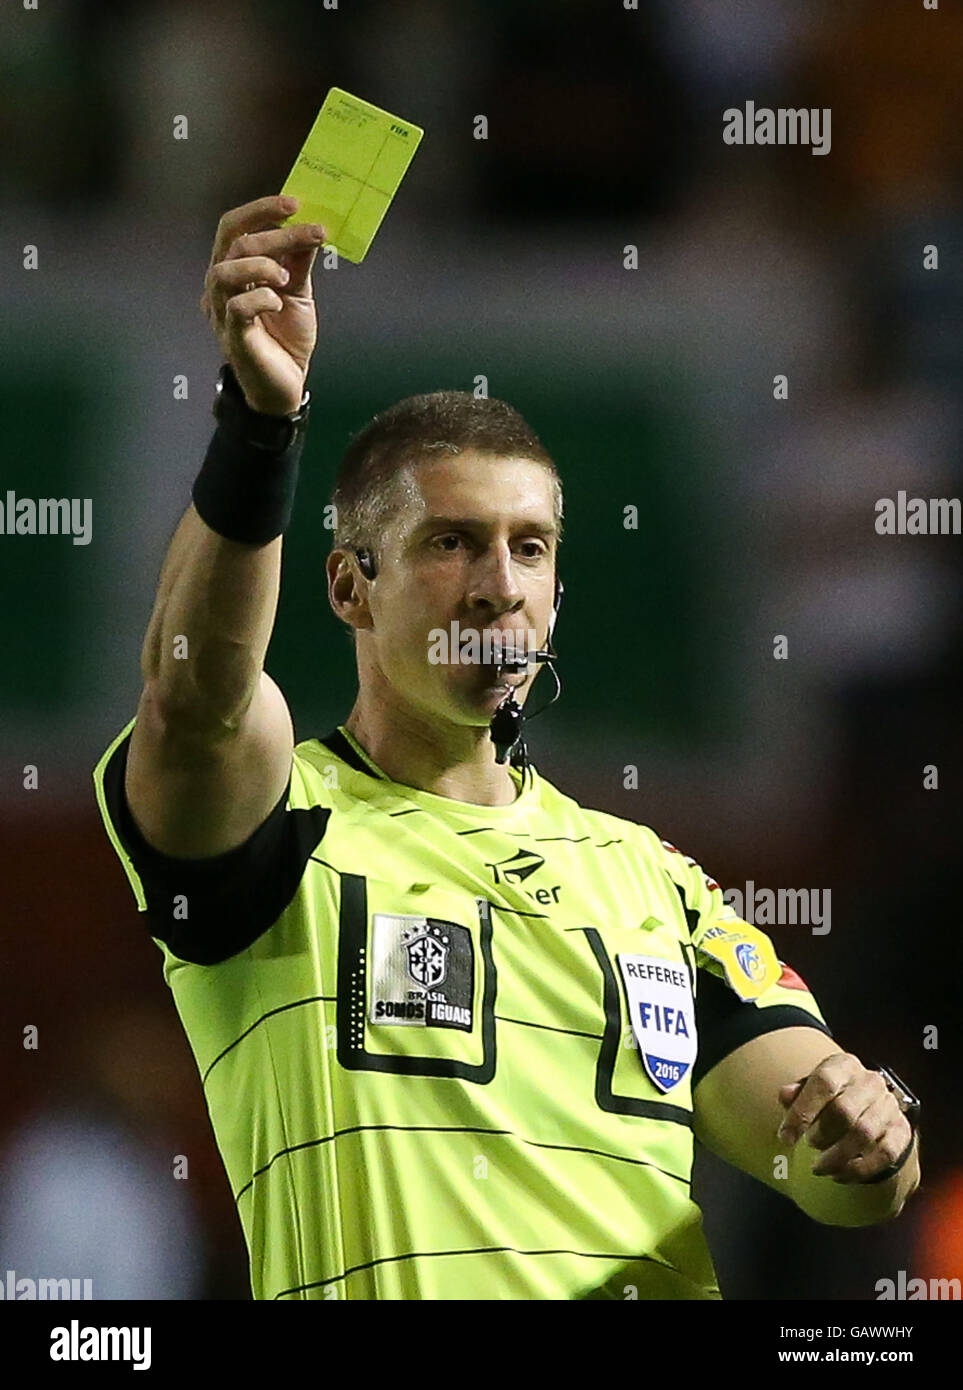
x,y
520,866
422,972
746,955
662,1013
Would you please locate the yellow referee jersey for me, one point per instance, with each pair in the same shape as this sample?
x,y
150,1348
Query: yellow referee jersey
x,y
448,1050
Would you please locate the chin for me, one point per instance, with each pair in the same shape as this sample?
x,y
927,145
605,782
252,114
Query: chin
x,y
485,699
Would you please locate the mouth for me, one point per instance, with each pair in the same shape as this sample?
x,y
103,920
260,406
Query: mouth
x,y
496,642
504,676
493,655
494,683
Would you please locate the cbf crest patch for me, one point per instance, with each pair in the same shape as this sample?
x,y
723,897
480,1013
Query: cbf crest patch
x,y
746,955
662,1013
422,972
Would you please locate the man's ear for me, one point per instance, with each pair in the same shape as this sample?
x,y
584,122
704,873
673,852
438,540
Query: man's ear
x,y
348,588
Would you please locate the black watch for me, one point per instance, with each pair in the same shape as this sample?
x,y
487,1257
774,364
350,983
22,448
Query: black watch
x,y
911,1107
273,433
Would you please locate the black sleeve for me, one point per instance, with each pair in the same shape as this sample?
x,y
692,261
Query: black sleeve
x,y
724,1022
232,898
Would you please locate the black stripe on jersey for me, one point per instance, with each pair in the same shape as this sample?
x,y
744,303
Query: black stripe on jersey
x,y
231,899
549,1027
527,835
724,1022
544,839
685,1179
281,1009
691,915
514,834
687,951
485,1250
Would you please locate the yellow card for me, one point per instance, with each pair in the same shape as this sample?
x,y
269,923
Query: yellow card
x,y
349,170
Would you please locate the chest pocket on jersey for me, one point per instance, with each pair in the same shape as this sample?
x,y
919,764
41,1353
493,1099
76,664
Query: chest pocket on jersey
x,y
416,980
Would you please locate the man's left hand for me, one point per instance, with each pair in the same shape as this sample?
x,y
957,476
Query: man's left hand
x,y
847,1111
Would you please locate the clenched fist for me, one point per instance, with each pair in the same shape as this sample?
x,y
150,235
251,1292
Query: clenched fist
x,y
259,300
847,1111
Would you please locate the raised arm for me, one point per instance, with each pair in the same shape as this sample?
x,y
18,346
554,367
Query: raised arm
x,y
210,753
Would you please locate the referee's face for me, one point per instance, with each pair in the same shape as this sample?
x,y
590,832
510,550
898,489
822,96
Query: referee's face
x,y
474,544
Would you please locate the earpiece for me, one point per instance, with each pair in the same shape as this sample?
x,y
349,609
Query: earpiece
x,y
366,563
559,591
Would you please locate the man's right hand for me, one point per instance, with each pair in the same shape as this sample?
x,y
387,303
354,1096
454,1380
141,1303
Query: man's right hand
x,y
212,748
259,300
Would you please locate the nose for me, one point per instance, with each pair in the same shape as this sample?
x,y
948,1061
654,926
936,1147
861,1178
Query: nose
x,y
494,584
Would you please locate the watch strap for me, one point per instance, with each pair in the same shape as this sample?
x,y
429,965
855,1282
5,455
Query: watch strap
x,y
910,1105
890,1172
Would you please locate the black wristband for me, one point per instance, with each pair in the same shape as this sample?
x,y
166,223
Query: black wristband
x,y
245,489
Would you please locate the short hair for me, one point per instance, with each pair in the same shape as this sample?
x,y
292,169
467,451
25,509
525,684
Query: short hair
x,y
365,494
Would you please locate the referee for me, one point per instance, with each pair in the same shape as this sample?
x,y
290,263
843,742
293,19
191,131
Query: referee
x,y
456,1033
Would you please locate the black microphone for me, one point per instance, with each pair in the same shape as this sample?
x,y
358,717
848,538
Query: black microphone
x,y
506,724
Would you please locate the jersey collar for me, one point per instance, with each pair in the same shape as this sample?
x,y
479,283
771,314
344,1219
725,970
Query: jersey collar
x,y
345,746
